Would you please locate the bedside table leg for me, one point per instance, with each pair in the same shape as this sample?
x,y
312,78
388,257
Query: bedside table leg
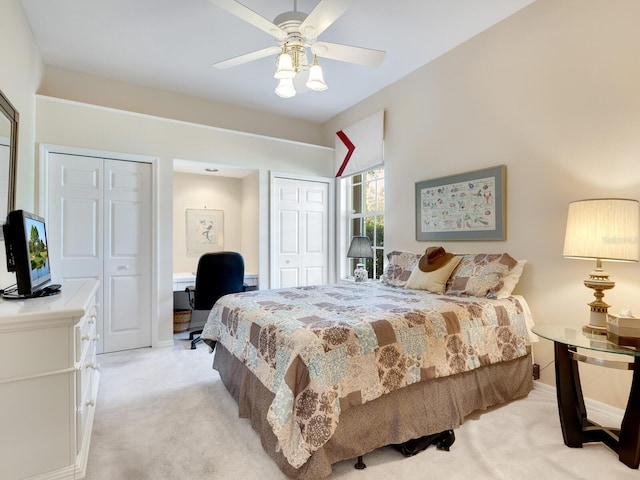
x,y
629,446
570,400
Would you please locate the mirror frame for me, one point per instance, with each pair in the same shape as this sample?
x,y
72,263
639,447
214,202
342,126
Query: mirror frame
x,y
12,115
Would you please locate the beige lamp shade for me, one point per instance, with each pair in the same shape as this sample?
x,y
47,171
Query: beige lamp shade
x,y
603,228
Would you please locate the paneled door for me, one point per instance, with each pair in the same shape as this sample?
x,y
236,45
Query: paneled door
x,y
299,232
99,226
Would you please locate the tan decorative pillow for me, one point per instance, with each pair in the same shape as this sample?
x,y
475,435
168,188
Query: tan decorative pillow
x,y
399,268
434,281
480,275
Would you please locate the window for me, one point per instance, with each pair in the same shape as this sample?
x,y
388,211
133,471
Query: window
x,y
365,216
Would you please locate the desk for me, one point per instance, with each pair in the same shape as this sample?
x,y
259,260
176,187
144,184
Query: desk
x,y
182,280
577,429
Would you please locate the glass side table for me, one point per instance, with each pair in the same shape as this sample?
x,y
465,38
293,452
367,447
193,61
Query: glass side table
x,y
577,429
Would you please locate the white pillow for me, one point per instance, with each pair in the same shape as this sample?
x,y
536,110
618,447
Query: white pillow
x,y
511,280
434,281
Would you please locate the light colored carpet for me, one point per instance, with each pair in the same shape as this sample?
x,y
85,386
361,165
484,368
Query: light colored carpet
x,y
164,414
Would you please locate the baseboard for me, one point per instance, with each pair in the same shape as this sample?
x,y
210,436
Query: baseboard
x,y
592,405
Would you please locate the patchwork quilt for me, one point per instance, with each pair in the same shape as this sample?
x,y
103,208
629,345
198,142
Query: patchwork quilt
x,y
324,349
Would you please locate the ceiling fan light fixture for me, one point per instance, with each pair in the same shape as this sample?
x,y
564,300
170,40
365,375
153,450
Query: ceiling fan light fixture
x,y
285,88
285,67
316,80
296,33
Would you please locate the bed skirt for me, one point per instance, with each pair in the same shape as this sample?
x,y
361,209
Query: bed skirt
x,y
414,411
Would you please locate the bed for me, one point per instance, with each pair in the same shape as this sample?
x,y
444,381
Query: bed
x,y
328,373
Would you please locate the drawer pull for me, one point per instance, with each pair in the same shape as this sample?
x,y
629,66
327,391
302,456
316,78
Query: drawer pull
x,y
84,337
89,403
95,338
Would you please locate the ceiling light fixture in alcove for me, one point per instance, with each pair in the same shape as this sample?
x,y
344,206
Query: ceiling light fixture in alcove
x,y
210,169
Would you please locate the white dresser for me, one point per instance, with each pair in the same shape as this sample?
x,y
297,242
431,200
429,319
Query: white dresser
x,y
48,383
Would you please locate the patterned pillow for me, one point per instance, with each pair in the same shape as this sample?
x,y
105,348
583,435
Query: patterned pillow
x,y
480,275
399,268
511,280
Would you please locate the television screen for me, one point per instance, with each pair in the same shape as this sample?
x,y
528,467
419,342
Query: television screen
x,y
36,238
27,255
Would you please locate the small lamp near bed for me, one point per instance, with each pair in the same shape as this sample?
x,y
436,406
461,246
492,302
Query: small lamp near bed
x,y
360,248
601,229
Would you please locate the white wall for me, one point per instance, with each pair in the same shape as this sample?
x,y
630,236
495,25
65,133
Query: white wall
x,y
19,78
552,93
61,83
216,193
250,219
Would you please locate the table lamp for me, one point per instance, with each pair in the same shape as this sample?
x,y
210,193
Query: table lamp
x,y
601,229
360,248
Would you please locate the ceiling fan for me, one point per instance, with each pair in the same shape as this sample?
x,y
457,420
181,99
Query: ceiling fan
x,y
296,32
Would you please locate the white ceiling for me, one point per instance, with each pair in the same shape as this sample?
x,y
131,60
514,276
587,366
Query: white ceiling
x,y
171,44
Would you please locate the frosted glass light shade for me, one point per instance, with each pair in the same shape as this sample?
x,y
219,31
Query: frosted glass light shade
x,y
285,88
285,67
603,228
316,80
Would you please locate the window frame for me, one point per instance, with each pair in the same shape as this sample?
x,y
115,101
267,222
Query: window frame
x,y
349,217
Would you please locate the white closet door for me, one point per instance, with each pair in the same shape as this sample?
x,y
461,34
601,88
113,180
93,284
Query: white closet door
x,y
299,233
99,226
74,222
127,255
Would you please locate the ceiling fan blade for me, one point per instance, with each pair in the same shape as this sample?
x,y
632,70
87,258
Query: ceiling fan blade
x,y
346,53
249,16
247,57
322,16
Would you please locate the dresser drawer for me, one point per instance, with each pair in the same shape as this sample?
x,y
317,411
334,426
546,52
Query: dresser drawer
x,y
84,328
86,389
85,368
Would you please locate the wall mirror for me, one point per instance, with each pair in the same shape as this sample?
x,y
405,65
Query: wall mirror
x,y
8,156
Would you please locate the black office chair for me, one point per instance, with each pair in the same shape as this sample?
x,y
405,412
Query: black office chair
x,y
218,274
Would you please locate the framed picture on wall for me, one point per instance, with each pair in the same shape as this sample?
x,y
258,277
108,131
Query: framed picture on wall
x,y
468,206
205,231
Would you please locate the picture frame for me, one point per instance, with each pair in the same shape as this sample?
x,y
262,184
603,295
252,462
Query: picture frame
x,y
467,206
204,230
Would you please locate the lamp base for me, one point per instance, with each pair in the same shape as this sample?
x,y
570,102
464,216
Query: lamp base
x,y
598,281
360,273
594,329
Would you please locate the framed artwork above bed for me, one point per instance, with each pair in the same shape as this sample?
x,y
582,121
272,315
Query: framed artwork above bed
x,y
468,206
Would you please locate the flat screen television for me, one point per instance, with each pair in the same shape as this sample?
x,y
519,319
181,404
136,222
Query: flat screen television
x,y
25,239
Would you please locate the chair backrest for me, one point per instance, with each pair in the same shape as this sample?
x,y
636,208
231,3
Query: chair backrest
x,y
218,274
